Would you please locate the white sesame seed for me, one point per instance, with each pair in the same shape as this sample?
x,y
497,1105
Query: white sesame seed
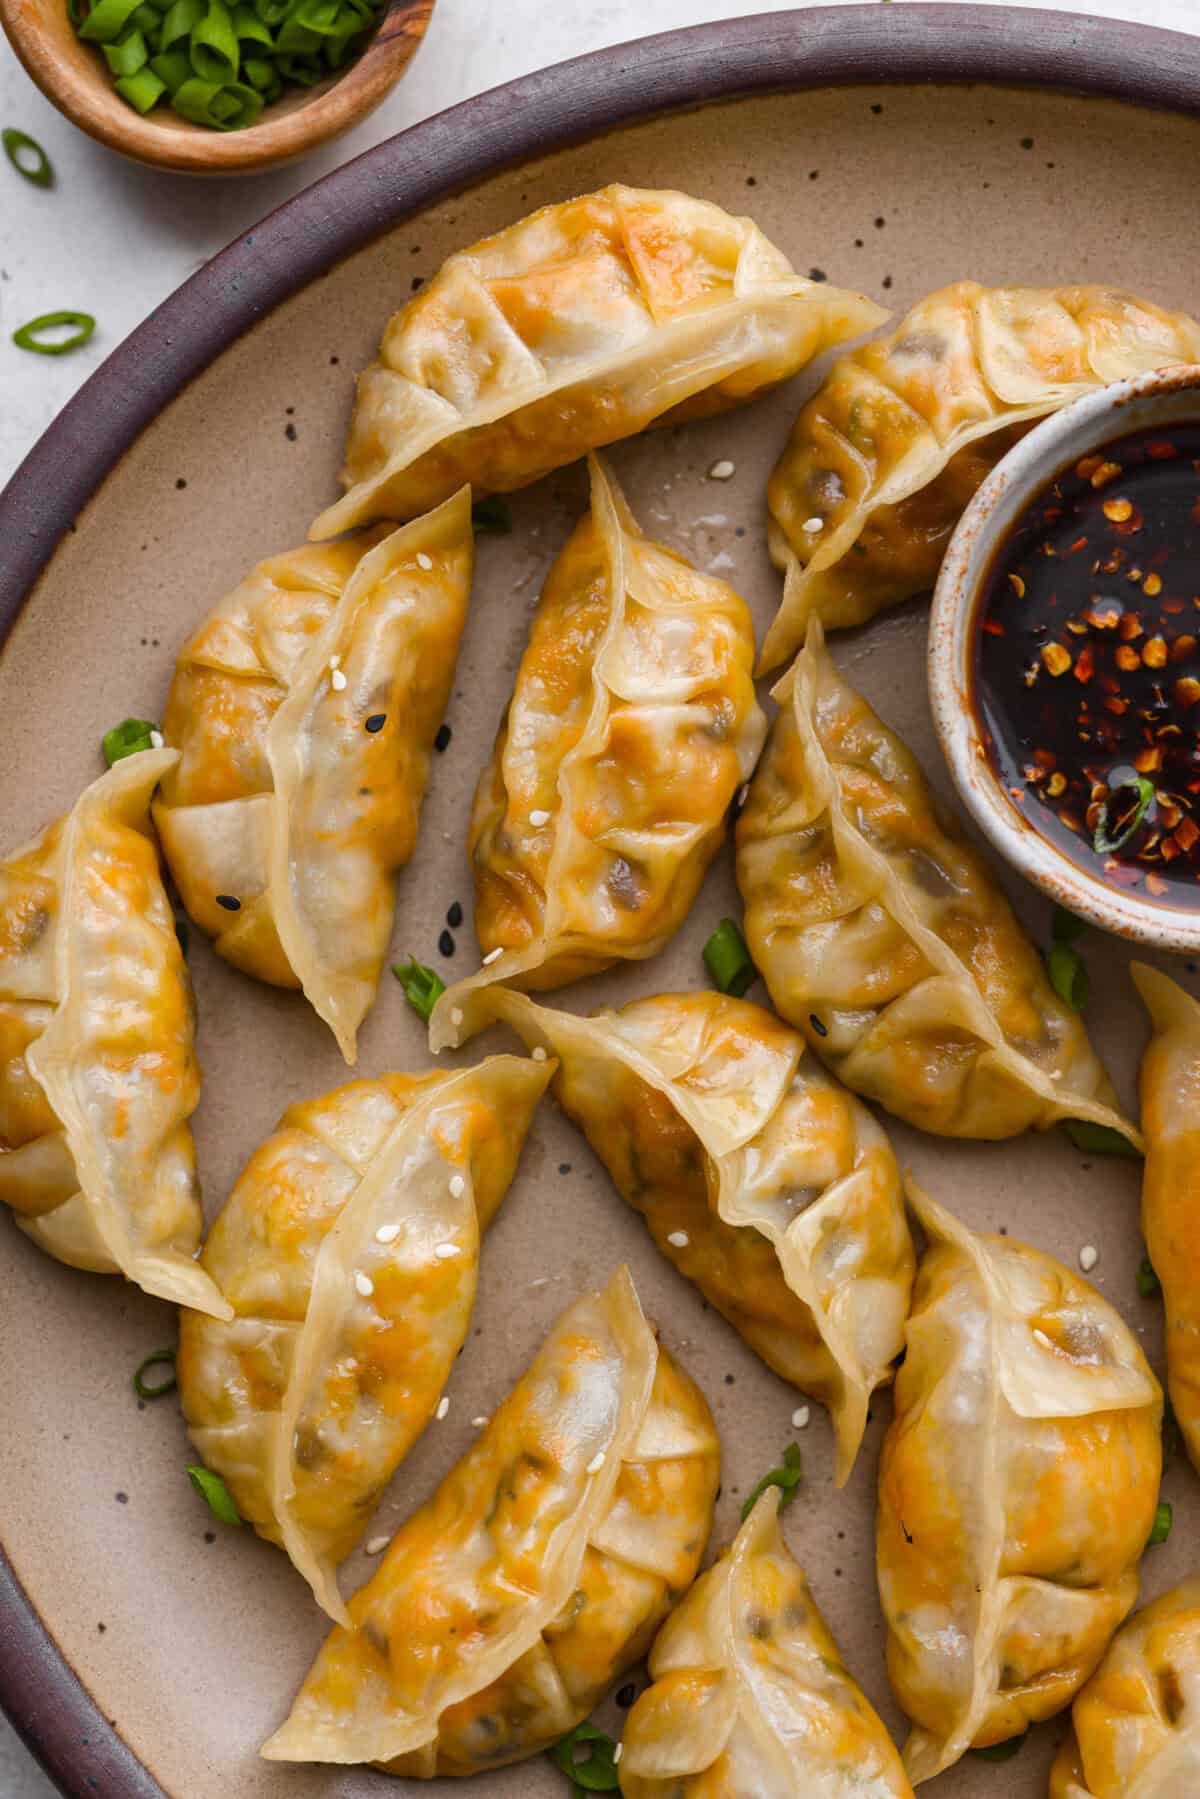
x,y
456,1015
800,1417
597,1462
457,1186
387,1233
156,740
539,1054
743,793
539,818
493,955
1039,1336
337,681
443,1407
479,1423
679,1239
424,561
721,471
1089,1255
813,525
364,1283
377,1545
617,1753
446,1252
335,662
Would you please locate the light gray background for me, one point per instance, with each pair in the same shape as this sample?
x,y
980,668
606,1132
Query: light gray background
x,y
114,240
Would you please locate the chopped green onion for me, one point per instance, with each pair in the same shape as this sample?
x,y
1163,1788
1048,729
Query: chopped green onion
x,y
141,91
1068,975
26,337
272,12
250,28
491,517
588,1757
1000,1752
147,21
214,47
263,78
305,71
228,106
173,68
1066,926
423,987
1125,815
127,738
107,20
156,1389
214,1492
128,56
297,39
1148,1283
179,22
19,147
787,1478
728,960
1098,1139
1164,1518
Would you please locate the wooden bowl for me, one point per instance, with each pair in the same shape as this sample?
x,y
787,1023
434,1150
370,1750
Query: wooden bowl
x,y
73,75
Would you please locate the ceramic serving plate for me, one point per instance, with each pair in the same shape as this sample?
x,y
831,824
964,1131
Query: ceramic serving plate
x,y
147,1651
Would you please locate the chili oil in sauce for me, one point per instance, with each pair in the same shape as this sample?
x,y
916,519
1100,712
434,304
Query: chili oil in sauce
x,y
1086,665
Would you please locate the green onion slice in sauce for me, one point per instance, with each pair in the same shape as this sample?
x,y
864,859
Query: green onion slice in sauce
x,y
1121,814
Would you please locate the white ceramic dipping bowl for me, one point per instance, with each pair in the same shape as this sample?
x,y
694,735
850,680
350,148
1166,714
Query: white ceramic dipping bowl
x,y
1165,397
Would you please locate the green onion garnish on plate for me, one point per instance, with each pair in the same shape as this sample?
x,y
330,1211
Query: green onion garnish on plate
x,y
128,738
1148,1283
728,960
1164,1518
156,1388
1068,975
423,987
588,1757
214,1492
786,1477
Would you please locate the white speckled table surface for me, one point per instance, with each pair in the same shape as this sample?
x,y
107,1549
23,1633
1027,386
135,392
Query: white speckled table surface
x,y
117,239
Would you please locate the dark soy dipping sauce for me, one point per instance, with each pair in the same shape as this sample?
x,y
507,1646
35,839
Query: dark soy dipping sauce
x,y
1086,666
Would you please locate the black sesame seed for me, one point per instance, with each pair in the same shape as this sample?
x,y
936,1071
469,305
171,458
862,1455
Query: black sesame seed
x,y
626,1696
102,1628
122,1499
445,944
729,1379
877,108
454,916
376,722
887,281
291,433
879,224
817,1026
817,275
333,361
564,1168
181,483
442,740
230,904
1027,143
210,1536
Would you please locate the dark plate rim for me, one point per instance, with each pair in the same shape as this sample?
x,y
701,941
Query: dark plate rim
x,y
824,46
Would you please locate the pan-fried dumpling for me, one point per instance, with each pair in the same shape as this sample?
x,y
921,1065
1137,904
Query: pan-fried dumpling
x,y
1017,1489
633,724
750,1698
585,322
536,1574
884,937
883,460
1136,1724
759,1177
305,709
1170,1085
98,1073
350,1251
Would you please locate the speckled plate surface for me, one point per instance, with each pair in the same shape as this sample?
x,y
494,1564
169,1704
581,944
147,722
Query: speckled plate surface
x,y
197,450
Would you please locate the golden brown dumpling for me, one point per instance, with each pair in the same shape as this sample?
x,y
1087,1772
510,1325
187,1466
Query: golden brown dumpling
x,y
1136,1725
305,710
350,1251
585,322
98,1072
885,938
884,459
632,726
1017,1489
750,1698
536,1574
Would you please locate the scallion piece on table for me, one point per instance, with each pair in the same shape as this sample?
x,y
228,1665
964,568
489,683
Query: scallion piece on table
x,y
127,738
423,987
787,1478
588,1757
1164,1518
27,157
1068,975
1148,1283
728,960
491,517
29,337
156,1389
214,1492
1098,1139
1000,1752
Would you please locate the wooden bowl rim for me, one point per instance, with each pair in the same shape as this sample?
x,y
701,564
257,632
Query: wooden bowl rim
x,y
842,46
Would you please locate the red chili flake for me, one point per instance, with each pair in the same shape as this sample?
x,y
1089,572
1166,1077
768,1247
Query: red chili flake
x,y
1187,834
1148,761
1172,608
1156,885
1123,874
1081,542
1183,645
1117,707
1131,626
1170,850
1045,760
1084,669
993,627
1070,820
1161,450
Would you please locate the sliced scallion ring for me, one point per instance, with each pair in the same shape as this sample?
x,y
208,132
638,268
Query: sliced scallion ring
x,y
423,986
27,157
127,739
28,337
588,1757
156,1389
214,47
491,517
1121,814
728,960
128,55
141,91
214,1492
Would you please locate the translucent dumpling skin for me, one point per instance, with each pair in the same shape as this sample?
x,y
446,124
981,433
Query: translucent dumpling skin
x,y
1017,1489
884,459
1135,1728
750,1697
350,1251
536,1574
305,710
761,1179
886,939
583,323
631,728
1170,1083
98,1071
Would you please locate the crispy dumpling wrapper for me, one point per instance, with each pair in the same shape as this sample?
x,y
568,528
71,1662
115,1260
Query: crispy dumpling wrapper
x,y
750,1694
581,324
761,1179
350,1251
632,726
1170,1091
536,1574
887,455
98,1071
884,936
1017,1489
1136,1725
305,710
